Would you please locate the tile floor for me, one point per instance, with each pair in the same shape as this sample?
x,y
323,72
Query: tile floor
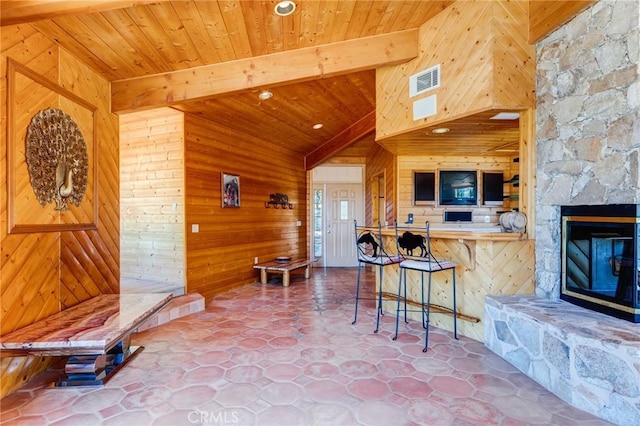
x,y
268,355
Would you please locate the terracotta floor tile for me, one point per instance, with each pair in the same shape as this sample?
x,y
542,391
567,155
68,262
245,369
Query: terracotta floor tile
x,y
410,388
238,395
368,389
267,355
281,393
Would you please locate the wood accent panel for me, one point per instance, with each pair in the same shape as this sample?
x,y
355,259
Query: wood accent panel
x,y
500,267
358,150
268,70
28,92
152,231
96,252
469,40
153,37
26,258
287,118
527,170
475,134
380,161
514,59
221,255
44,272
13,13
546,16
435,214
359,129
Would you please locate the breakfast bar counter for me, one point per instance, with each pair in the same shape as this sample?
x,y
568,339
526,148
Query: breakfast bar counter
x,y
489,262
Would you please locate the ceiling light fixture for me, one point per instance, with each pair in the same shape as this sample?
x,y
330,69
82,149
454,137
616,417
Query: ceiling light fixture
x,y
318,126
284,8
440,130
264,95
506,116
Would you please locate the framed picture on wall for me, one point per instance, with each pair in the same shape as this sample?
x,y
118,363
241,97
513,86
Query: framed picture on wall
x,y
230,190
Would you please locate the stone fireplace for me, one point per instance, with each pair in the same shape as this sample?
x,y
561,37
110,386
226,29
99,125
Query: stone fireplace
x,y
587,148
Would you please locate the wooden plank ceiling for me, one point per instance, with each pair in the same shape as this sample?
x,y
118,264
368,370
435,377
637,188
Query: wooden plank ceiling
x,y
127,40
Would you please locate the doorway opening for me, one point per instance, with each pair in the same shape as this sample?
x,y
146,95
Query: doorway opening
x,y
379,205
337,200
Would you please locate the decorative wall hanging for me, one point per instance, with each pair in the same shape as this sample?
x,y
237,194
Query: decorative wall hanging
x,y
56,159
278,200
230,190
51,155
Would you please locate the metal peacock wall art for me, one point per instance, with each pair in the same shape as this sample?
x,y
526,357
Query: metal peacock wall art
x,y
57,160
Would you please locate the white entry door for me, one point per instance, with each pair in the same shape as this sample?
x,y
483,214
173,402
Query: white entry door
x,y
344,205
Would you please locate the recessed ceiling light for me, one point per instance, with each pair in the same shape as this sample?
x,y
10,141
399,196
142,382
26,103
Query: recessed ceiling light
x,y
318,126
440,130
284,8
264,95
506,116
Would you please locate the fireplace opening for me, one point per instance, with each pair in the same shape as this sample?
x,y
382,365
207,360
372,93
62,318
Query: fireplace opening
x,y
600,264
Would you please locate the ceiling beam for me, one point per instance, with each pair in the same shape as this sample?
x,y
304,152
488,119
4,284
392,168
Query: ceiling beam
x,y
280,68
20,12
351,135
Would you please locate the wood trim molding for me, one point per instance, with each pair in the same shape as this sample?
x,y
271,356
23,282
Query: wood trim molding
x,y
15,226
280,68
342,140
20,12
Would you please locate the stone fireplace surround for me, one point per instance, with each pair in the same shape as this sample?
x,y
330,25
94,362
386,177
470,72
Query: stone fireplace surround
x,y
587,148
586,358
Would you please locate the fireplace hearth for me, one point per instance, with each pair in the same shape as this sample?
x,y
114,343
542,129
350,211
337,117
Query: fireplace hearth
x,y
600,249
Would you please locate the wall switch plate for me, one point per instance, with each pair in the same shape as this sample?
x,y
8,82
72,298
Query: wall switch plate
x,y
299,223
195,228
255,260
487,219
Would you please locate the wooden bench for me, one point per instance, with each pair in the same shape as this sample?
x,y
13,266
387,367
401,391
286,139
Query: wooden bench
x,y
283,268
95,334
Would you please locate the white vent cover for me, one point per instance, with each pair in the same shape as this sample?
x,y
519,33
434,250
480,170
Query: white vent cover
x,y
424,107
424,81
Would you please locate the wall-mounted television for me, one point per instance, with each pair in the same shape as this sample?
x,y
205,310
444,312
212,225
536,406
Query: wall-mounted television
x,y
458,188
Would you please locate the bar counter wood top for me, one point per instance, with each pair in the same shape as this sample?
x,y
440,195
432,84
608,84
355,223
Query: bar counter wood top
x,y
492,233
488,263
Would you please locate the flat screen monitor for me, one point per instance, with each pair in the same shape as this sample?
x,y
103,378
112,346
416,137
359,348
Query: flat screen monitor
x,y
424,188
458,187
492,188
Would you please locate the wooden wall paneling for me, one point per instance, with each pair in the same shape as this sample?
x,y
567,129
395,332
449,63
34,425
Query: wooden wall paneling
x,y
501,268
471,42
514,59
90,247
380,161
25,302
152,197
408,164
460,40
221,255
44,272
527,168
30,262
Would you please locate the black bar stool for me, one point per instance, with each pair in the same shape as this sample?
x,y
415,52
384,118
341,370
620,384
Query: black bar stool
x,y
370,251
416,250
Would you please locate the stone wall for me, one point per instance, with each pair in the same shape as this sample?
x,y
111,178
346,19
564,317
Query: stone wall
x,y
587,121
588,152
